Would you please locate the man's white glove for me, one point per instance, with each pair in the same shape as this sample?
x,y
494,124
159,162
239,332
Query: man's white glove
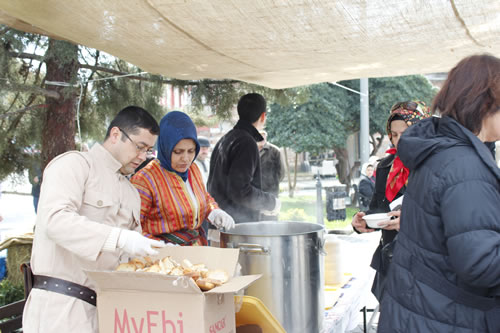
x,y
221,219
136,244
275,211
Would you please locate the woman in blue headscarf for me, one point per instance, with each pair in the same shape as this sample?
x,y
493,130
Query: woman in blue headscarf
x,y
174,200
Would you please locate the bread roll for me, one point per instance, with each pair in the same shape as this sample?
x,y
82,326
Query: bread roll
x,y
187,265
176,271
218,275
153,269
166,265
205,279
204,284
199,267
126,267
138,263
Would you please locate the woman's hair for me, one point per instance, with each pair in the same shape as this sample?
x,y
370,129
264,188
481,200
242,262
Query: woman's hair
x,y
471,92
395,117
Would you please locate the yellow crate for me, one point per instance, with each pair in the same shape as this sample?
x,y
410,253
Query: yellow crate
x,y
253,311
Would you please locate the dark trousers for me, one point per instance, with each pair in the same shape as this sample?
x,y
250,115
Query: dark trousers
x,y
35,203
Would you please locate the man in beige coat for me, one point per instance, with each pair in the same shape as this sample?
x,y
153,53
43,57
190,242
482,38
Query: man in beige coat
x,y
88,218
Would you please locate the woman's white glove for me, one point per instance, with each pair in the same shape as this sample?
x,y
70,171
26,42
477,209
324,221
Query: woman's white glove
x,y
136,244
275,211
221,219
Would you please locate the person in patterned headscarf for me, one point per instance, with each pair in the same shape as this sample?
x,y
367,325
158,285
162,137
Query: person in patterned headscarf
x,y
390,184
174,200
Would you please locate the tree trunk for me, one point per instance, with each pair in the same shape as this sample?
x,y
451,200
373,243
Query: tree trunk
x,y
290,187
376,143
345,171
295,174
58,133
343,167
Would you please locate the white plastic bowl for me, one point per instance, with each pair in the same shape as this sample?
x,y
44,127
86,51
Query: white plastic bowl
x,y
373,220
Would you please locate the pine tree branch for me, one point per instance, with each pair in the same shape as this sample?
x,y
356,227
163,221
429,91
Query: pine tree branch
x,y
25,55
162,80
116,72
33,89
5,115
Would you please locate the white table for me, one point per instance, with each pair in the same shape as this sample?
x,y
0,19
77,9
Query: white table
x,y
343,316
352,297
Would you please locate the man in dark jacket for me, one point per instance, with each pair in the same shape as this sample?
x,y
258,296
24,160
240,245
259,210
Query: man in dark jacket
x,y
235,173
366,187
35,177
273,170
272,166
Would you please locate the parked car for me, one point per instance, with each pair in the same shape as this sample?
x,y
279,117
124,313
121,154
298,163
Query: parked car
x,y
326,169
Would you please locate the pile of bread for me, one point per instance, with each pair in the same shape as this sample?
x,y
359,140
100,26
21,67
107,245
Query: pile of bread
x,y
205,278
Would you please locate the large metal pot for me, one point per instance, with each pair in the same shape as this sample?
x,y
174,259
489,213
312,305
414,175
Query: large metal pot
x,y
289,255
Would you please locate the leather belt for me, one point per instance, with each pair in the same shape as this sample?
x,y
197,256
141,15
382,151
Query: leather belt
x,y
65,287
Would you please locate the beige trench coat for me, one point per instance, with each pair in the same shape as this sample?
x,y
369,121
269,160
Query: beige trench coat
x,y
82,198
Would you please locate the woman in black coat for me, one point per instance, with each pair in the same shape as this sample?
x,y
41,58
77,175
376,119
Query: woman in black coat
x,y
366,187
445,273
390,184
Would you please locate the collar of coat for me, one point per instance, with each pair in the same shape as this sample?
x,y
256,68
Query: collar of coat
x,y
485,150
249,128
105,158
386,162
431,135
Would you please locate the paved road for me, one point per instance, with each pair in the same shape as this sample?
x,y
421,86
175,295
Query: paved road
x,y
18,213
18,216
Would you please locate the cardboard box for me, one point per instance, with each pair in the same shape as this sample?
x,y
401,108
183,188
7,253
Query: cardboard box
x,y
133,302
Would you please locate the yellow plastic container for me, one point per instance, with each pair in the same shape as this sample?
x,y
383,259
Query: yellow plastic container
x,y
253,311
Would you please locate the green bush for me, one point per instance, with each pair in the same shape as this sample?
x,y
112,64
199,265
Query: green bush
x,y
303,208
10,293
294,214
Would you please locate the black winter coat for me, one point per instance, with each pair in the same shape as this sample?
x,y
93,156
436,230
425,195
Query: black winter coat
x,y
235,180
273,170
366,189
446,266
380,204
33,172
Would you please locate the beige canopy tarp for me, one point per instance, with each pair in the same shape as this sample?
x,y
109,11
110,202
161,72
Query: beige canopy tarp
x,y
275,43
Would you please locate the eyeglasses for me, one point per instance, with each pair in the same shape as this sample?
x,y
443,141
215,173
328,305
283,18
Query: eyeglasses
x,y
140,149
